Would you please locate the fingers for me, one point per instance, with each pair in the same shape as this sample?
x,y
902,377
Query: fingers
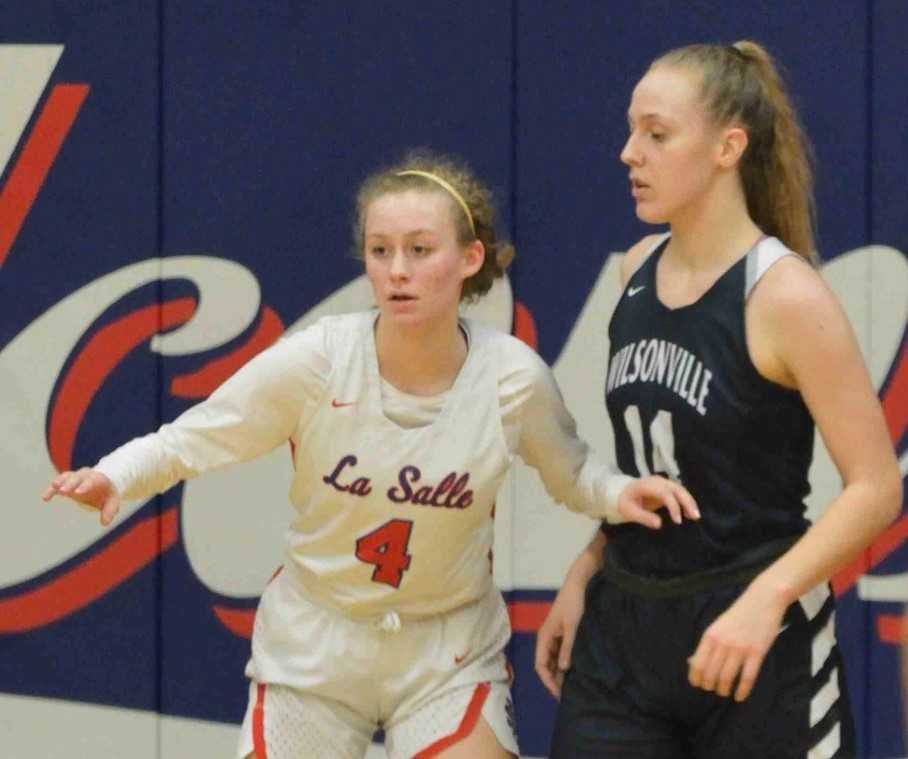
x,y
727,673
567,645
545,663
698,662
717,668
674,496
632,511
646,518
749,673
109,510
650,494
688,504
63,484
89,488
670,502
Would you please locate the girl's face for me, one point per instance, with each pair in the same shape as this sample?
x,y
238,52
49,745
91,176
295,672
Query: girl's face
x,y
413,258
673,148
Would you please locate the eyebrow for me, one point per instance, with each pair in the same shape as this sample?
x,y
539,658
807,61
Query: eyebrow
x,y
648,117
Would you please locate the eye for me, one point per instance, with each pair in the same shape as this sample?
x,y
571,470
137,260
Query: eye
x,y
421,250
657,136
378,251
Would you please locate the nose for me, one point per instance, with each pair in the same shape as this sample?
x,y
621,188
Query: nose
x,y
630,155
400,266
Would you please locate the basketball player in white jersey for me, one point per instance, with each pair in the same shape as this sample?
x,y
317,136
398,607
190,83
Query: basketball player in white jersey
x,y
403,422
726,348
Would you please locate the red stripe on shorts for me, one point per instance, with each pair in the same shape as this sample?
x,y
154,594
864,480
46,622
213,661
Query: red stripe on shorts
x,y
466,724
258,724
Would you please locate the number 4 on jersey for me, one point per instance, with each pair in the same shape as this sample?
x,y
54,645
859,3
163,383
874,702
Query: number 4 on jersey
x,y
386,548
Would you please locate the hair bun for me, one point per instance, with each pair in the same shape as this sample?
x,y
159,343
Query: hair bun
x,y
504,255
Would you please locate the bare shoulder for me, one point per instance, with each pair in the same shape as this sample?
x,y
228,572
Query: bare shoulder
x,y
637,254
791,288
793,317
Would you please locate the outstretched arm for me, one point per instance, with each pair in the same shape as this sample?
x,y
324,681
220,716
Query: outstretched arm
x,y
253,412
572,472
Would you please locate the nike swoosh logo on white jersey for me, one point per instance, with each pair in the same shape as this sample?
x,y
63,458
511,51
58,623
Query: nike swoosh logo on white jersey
x,y
632,291
459,659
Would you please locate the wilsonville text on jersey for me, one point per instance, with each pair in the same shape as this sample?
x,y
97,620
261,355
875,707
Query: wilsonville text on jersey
x,y
663,362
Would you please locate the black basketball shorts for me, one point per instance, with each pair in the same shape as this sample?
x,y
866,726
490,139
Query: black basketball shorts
x,y
627,694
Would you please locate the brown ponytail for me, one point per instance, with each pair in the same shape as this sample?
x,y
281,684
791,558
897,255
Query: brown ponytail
x,y
741,83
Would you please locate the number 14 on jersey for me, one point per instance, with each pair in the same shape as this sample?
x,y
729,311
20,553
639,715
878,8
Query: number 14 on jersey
x,y
662,443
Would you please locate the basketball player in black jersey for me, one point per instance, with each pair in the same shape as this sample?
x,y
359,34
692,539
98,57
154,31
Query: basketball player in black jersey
x,y
714,638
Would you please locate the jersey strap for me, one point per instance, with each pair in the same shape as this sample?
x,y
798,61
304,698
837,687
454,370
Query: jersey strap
x,y
759,260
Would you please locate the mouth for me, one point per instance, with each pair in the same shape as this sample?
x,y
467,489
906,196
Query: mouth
x,y
638,188
401,297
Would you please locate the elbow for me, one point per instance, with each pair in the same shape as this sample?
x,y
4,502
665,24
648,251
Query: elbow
x,y
886,492
893,494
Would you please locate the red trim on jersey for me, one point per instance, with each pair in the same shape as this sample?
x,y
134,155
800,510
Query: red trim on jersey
x,y
100,356
36,159
470,718
258,724
202,383
92,578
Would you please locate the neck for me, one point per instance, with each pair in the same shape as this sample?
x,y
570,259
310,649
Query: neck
x,y
422,360
716,231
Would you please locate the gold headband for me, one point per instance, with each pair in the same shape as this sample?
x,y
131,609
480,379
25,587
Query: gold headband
x,y
442,183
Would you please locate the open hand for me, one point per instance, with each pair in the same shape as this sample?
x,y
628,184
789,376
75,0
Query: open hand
x,y
642,497
89,488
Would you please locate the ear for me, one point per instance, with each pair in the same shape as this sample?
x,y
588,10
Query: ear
x,y
474,255
732,144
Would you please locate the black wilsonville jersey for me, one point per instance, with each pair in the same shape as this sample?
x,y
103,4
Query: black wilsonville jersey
x,y
686,402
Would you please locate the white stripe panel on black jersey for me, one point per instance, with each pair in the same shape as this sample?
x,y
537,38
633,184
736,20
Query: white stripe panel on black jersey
x,y
822,646
827,747
828,695
814,600
760,258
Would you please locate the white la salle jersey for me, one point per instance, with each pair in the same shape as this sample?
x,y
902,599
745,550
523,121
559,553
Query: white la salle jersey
x,y
388,517
393,518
